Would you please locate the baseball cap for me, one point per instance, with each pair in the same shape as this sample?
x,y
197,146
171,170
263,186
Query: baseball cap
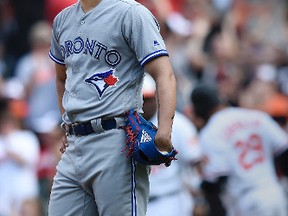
x,y
149,86
204,99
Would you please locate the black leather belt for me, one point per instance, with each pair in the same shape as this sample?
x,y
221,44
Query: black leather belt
x,y
85,128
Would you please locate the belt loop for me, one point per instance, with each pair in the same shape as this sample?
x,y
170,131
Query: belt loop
x,y
120,121
96,125
64,127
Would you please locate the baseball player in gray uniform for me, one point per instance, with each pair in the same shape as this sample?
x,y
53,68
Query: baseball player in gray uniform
x,y
101,49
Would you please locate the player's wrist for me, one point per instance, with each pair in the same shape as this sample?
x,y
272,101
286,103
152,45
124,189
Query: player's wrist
x,y
163,143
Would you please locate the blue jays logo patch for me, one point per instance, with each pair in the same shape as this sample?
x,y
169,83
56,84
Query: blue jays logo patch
x,y
102,81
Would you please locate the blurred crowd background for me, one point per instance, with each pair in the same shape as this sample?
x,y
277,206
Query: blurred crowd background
x,y
241,46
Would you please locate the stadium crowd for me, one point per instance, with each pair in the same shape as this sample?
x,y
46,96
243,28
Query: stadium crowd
x,y
238,46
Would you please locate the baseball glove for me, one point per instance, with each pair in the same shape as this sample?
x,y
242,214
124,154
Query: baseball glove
x,y
140,136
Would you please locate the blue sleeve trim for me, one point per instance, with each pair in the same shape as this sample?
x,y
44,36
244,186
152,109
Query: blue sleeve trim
x,y
154,55
56,59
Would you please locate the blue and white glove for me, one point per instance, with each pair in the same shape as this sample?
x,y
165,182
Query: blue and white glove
x,y
140,136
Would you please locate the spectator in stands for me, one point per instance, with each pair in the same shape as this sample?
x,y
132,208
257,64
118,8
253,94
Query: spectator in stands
x,y
37,74
19,154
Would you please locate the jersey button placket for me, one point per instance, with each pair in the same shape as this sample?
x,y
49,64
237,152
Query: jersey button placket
x,y
81,23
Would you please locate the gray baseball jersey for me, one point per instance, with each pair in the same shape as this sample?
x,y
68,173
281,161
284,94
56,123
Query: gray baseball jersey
x,y
104,51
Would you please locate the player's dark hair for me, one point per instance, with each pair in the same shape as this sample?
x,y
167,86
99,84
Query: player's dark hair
x,y
204,99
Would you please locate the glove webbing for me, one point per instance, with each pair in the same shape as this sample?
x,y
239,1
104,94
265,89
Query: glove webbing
x,y
131,139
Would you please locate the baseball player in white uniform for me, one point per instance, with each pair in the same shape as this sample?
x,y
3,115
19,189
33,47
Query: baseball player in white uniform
x,y
169,192
240,146
101,49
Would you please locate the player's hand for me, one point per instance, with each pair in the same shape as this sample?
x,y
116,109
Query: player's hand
x,y
164,145
163,142
64,144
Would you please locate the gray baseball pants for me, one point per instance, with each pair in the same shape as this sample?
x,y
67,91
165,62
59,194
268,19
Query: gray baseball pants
x,y
95,178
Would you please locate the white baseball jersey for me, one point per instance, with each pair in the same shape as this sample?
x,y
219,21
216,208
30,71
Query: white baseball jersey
x,y
241,143
103,57
169,182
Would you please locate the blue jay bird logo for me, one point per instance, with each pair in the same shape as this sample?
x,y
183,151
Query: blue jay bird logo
x,y
101,81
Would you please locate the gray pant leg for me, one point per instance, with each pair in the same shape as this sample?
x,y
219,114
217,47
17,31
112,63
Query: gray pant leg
x,y
69,199
120,186
123,194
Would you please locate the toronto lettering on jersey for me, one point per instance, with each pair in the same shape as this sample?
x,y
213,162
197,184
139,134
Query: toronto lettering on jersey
x,y
90,47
